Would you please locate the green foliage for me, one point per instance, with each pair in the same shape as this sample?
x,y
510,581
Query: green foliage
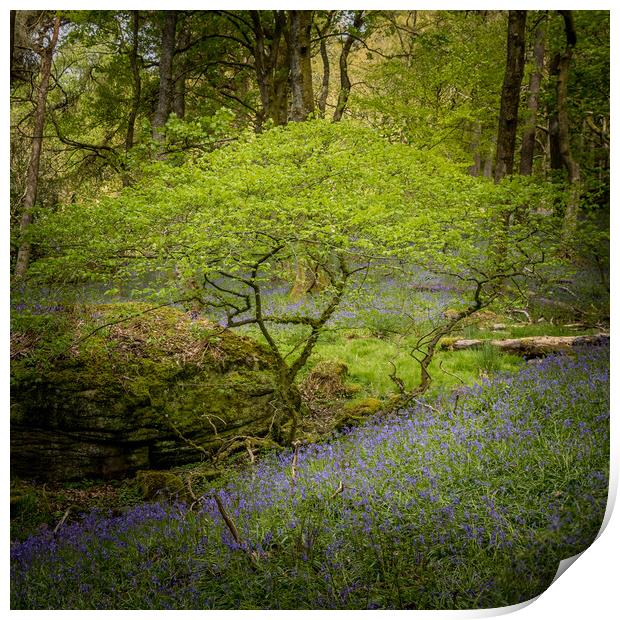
x,y
444,82
334,199
311,191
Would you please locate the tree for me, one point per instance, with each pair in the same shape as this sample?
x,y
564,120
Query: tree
x,y
528,142
46,52
322,36
335,195
166,77
511,90
271,64
181,70
136,84
345,82
302,97
572,167
433,79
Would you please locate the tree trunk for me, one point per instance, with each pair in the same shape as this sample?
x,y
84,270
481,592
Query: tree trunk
x,y
164,100
529,133
180,74
345,82
572,167
509,107
532,346
487,168
32,178
324,92
302,104
476,167
272,67
12,42
136,83
555,157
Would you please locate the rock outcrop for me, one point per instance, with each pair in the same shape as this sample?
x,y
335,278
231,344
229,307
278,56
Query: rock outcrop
x,y
154,391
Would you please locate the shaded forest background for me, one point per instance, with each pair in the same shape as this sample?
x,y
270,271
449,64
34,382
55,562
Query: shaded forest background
x,y
96,94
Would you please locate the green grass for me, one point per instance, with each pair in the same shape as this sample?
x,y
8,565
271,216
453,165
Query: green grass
x,y
370,360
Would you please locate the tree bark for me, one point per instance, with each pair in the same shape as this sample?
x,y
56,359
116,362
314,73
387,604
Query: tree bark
x,y
324,92
528,144
32,178
180,74
12,42
272,67
345,82
476,167
509,107
302,97
136,83
164,100
572,167
555,157
487,168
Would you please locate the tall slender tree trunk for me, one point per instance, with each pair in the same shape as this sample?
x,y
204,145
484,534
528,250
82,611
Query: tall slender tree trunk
x,y
529,133
553,136
272,67
487,166
345,82
180,73
572,167
302,96
136,86
32,178
166,55
487,169
476,167
324,92
136,82
509,107
13,15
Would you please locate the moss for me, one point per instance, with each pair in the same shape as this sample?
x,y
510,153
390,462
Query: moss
x,y
445,344
358,411
353,388
139,358
364,407
160,382
326,380
160,484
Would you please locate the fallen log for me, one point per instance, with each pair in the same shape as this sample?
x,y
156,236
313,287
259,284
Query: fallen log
x,y
531,346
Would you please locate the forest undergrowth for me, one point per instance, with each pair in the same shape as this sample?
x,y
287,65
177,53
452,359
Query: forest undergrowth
x,y
468,500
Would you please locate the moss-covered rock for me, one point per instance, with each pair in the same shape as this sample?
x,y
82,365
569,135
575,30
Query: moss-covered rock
x,y
363,407
326,380
160,484
151,389
356,412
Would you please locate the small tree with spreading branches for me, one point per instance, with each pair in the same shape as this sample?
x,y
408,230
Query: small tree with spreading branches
x,y
336,199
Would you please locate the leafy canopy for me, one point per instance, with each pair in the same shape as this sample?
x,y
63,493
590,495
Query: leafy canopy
x,y
315,191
